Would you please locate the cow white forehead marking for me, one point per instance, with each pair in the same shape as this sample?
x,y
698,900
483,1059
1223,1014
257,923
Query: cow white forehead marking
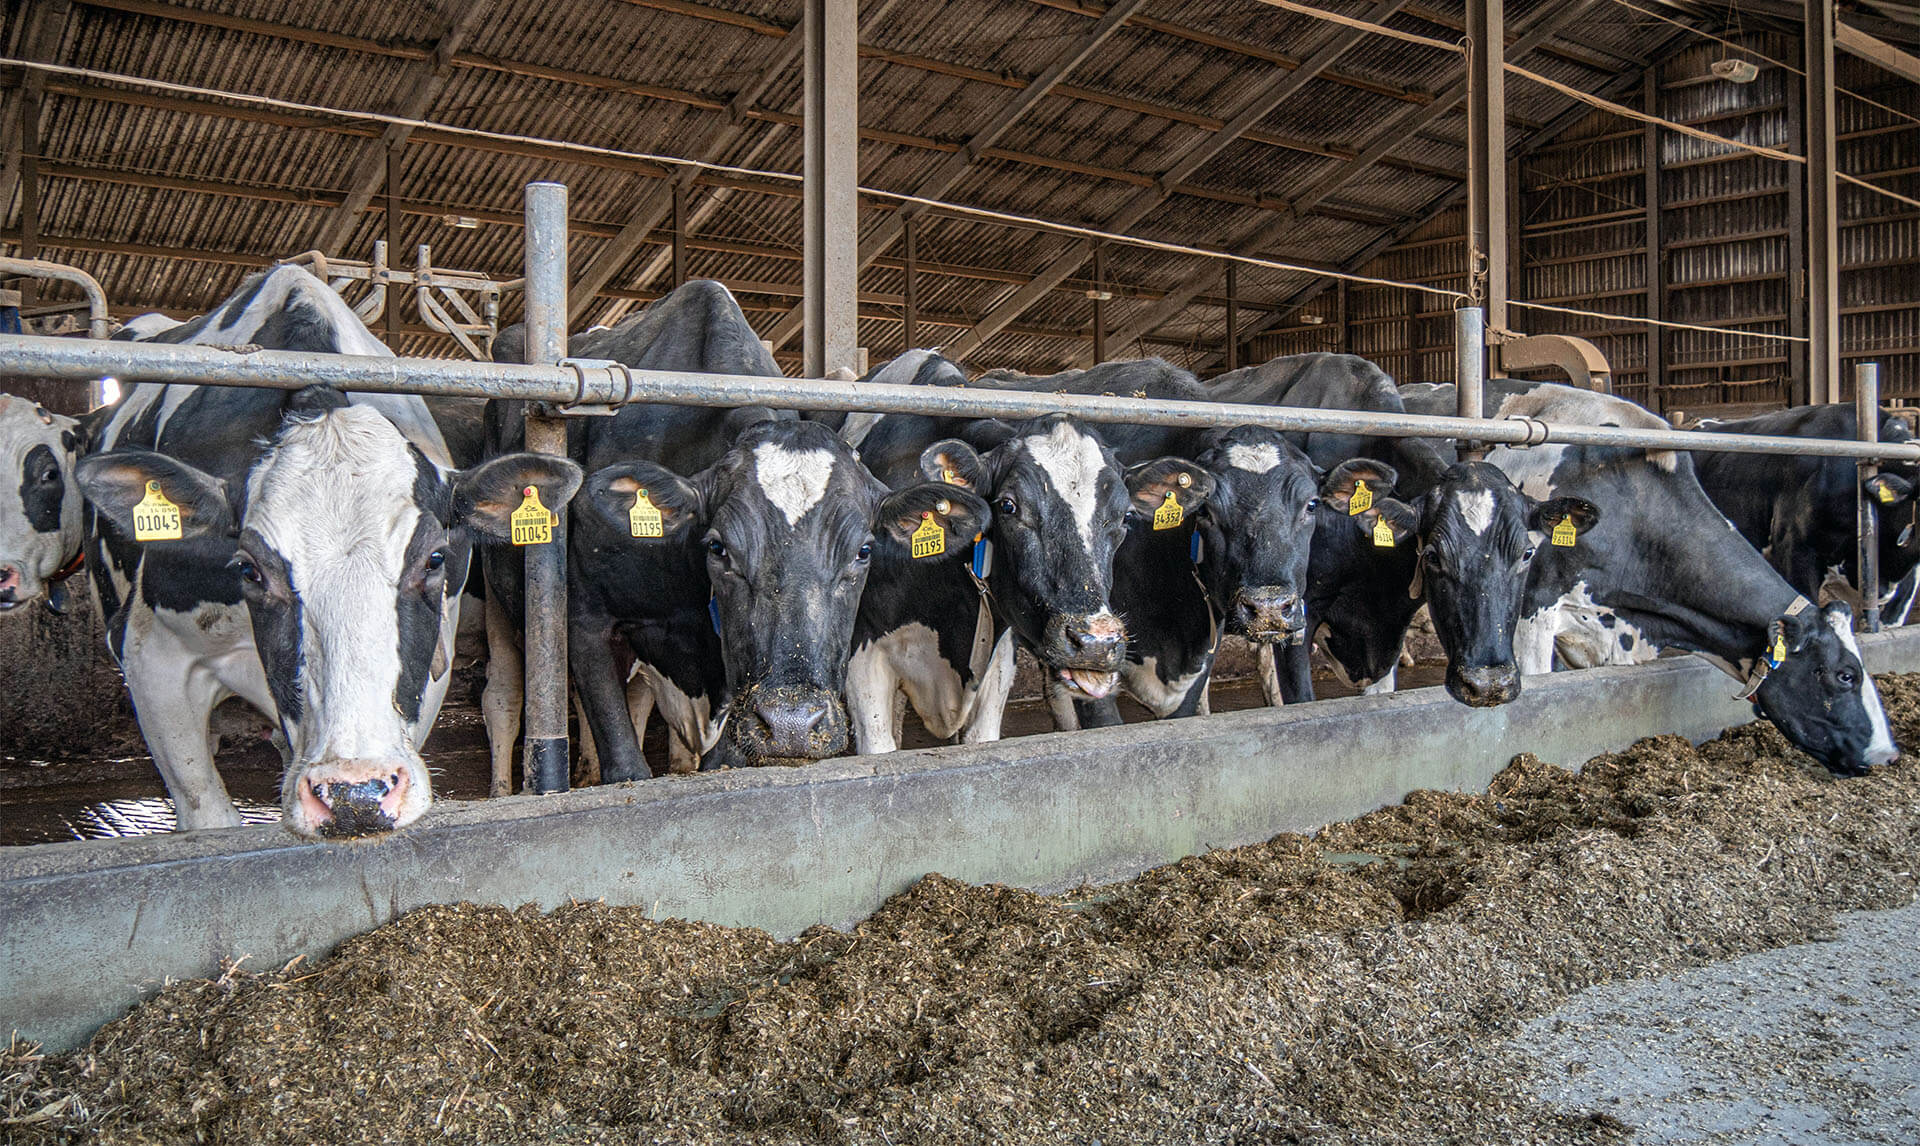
x,y
1072,462
331,485
1476,506
1254,459
793,480
1880,750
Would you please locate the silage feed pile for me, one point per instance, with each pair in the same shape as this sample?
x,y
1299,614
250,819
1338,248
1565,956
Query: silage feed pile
x,y
1352,987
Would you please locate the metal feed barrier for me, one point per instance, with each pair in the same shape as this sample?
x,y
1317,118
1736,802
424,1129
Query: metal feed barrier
x,y
560,387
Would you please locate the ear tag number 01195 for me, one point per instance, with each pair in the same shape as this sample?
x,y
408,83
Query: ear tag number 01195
x,y
1169,514
532,522
155,518
1382,533
1563,533
929,540
644,519
1777,655
1361,501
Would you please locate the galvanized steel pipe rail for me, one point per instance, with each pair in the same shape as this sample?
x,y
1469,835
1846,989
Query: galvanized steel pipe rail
x,y
599,384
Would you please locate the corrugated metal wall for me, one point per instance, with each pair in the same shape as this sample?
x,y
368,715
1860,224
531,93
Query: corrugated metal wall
x,y
1726,247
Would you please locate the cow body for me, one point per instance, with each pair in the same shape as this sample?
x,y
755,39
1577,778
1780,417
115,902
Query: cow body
x,y
1799,510
40,506
1664,568
317,575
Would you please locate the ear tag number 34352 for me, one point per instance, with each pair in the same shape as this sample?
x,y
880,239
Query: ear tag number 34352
x,y
155,518
1170,514
532,522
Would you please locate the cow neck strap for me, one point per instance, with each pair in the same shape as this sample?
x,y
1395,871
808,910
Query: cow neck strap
x,y
72,566
1758,674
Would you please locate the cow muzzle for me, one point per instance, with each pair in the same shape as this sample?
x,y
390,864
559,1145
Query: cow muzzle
x,y
348,799
1267,615
790,725
11,594
1085,652
1483,687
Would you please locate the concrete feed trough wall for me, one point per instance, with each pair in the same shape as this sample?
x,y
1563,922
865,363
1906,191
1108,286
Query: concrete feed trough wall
x,y
91,927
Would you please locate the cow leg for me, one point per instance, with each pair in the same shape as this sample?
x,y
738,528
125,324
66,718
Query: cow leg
x,y
872,685
587,773
501,699
172,708
990,694
1066,714
1263,663
603,694
1293,666
640,706
1533,641
1385,684
1195,703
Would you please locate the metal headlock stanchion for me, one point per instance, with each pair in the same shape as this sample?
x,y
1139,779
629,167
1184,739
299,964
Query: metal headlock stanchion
x,y
1866,416
1470,374
545,760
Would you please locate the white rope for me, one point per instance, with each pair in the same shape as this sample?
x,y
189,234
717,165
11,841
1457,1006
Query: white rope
x,y
1365,26
1635,320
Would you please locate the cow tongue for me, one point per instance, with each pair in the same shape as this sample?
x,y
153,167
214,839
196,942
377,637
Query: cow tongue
x,y
1094,684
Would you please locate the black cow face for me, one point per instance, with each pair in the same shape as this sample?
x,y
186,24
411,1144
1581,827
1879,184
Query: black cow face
x,y
1058,505
1821,695
791,523
40,520
1477,538
350,549
1361,570
1255,532
1897,508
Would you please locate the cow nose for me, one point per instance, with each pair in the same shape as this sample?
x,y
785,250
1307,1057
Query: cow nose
x,y
1095,640
353,798
796,721
1484,686
9,579
1269,614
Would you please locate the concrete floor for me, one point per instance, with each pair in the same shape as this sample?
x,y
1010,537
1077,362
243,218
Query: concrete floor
x,y
1816,1045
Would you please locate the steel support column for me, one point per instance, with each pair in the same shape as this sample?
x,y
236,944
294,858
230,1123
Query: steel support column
x,y
1487,158
679,232
545,761
831,166
391,311
1823,229
1099,302
1233,316
910,289
1469,373
1866,411
1656,263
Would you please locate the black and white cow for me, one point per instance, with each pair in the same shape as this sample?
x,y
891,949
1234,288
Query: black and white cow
x,y
1460,539
40,509
323,542
1664,568
739,613
1798,510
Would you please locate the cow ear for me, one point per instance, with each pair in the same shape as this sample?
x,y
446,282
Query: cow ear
x,y
1402,520
1149,483
119,480
485,496
987,433
614,493
1338,488
955,463
1887,489
1547,514
315,399
959,515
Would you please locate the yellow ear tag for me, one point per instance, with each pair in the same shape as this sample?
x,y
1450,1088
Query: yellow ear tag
x,y
1382,533
643,520
1885,494
948,476
532,522
1361,501
155,518
1169,514
1778,654
1563,534
929,540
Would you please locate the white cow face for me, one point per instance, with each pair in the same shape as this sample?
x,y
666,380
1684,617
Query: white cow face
x,y
40,520
350,551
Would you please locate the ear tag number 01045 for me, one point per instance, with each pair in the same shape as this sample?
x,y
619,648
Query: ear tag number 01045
x,y
155,518
1382,533
1361,501
929,540
1563,533
532,522
644,519
1169,514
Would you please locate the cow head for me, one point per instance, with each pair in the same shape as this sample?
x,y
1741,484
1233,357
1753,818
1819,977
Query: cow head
x,y
1896,503
40,520
1058,505
1359,573
350,550
1821,695
791,523
1255,532
1477,537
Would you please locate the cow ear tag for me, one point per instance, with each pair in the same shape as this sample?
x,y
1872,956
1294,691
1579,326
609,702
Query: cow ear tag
x,y
1362,499
982,556
1169,514
1382,533
1778,653
155,518
1563,533
1886,494
644,519
929,540
532,522
713,613
1197,548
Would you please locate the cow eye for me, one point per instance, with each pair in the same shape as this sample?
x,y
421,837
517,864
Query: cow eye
x,y
866,550
1007,506
1845,678
435,560
717,547
1528,555
247,569
1313,503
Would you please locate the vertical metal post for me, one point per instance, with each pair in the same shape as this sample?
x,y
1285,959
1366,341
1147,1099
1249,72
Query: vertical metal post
x,y
831,124
910,234
1823,229
1656,262
392,310
1797,391
1470,372
1346,326
1233,316
29,168
1866,412
1099,302
546,597
679,232
1487,157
